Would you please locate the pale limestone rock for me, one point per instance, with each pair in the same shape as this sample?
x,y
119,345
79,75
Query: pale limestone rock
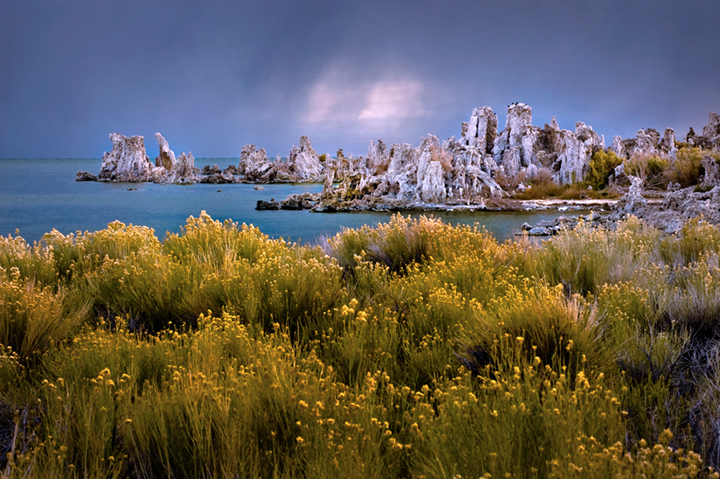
x,y
511,160
527,145
712,129
427,144
328,183
647,142
632,202
303,163
479,180
667,144
127,162
519,119
575,149
168,169
481,131
712,172
254,164
531,172
378,158
710,138
617,146
433,183
166,157
185,166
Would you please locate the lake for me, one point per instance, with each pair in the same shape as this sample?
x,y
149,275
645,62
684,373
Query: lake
x,y
37,195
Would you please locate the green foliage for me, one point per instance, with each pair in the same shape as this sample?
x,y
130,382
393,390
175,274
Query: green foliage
x,y
687,167
653,169
601,166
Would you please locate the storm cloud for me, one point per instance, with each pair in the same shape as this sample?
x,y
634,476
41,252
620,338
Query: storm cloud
x,y
216,75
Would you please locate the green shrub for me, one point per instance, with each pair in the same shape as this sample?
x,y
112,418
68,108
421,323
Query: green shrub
x,y
653,169
687,166
601,166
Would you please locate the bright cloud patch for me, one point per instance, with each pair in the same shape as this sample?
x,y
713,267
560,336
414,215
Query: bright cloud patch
x,y
393,100
333,101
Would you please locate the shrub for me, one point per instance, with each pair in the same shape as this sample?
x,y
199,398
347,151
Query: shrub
x,y
601,166
509,182
651,168
687,167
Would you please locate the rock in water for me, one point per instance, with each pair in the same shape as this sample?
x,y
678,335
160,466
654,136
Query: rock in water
x,y
166,158
254,165
168,169
127,162
303,163
85,176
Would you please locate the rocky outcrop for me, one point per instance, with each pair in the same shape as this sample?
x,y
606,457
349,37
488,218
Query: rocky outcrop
x,y
676,208
480,132
211,170
562,223
169,169
301,201
464,172
219,178
647,143
166,157
255,165
303,165
127,162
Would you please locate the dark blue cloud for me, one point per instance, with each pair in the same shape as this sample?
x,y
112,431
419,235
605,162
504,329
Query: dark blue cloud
x,y
213,76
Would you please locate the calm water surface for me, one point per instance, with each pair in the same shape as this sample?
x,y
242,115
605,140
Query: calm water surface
x,y
37,195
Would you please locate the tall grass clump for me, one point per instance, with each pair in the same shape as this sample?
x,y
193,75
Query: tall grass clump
x,y
584,259
81,253
33,263
32,318
396,244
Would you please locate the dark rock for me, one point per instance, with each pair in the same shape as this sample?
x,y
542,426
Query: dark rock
x,y
85,176
211,170
231,169
304,201
267,205
218,179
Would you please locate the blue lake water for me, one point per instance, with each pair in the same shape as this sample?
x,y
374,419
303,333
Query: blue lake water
x,y
37,195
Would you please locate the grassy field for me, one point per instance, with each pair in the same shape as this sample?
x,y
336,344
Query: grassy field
x,y
413,349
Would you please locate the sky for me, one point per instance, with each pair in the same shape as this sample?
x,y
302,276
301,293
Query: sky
x,y
215,75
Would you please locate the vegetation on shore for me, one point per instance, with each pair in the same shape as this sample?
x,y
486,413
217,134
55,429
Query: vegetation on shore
x,y
657,173
412,349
